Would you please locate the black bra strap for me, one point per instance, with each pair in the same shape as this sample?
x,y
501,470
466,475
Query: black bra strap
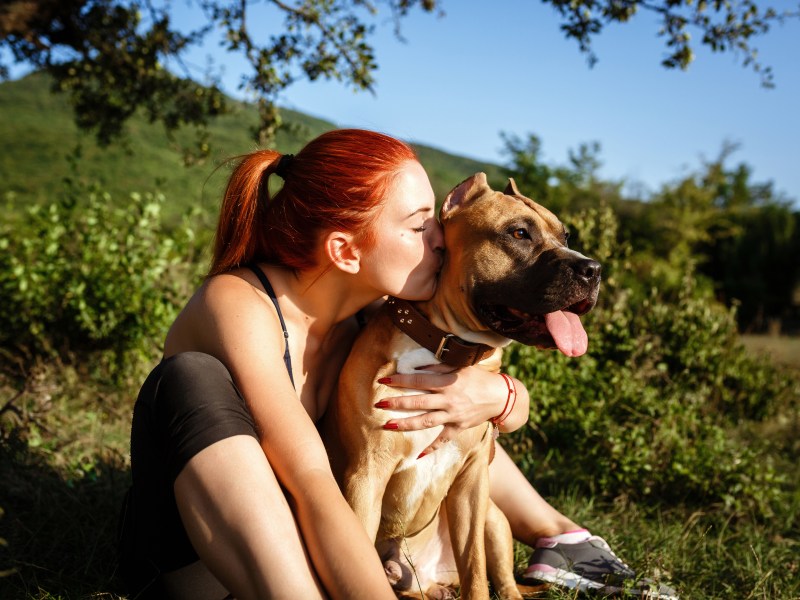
x,y
287,359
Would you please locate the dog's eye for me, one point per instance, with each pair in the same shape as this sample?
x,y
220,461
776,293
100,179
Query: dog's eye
x,y
521,234
566,237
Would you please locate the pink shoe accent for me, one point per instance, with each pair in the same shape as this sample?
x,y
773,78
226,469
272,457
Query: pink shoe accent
x,y
541,568
569,537
581,530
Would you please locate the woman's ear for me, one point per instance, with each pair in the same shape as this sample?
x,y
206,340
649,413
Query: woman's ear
x,y
340,248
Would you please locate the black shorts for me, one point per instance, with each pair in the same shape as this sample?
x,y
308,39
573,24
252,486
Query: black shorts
x,y
187,403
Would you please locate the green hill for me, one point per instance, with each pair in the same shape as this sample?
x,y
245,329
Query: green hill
x,y
39,135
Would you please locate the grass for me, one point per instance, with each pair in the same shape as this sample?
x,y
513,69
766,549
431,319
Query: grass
x,y
64,468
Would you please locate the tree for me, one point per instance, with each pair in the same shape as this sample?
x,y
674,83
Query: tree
x,y
111,56
525,165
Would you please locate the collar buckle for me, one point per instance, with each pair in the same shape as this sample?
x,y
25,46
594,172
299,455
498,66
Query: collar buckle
x,y
443,347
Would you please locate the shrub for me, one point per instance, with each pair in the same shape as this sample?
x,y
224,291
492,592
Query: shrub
x,y
83,275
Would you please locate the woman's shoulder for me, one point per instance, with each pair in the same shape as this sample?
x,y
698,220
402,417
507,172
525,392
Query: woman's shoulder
x,y
238,287
236,279
225,306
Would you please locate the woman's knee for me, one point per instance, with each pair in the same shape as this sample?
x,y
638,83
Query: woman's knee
x,y
190,380
196,405
193,369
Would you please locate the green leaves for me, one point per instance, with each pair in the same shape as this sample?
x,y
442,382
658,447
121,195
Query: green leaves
x,y
111,56
86,275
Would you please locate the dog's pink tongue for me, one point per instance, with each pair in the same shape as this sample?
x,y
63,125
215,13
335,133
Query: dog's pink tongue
x,y
568,332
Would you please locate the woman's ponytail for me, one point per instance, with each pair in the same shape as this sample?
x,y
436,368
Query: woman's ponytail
x,y
243,211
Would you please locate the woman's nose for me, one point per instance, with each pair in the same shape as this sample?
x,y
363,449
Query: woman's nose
x,y
437,237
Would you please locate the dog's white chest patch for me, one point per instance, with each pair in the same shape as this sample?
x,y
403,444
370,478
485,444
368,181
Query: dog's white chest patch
x,y
430,469
436,465
408,361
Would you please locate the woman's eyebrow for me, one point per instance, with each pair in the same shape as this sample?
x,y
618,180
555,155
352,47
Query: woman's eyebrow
x,y
424,209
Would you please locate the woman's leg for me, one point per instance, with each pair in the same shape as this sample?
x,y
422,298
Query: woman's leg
x,y
208,514
240,522
529,515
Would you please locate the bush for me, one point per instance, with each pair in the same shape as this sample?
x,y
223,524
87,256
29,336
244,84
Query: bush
x,y
86,276
649,410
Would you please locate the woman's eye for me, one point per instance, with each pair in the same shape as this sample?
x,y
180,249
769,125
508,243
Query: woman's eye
x,y
520,234
420,229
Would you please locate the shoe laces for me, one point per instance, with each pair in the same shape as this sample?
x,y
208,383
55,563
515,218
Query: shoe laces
x,y
604,545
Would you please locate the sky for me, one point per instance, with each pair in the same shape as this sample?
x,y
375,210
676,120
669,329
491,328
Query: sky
x,y
459,80
484,68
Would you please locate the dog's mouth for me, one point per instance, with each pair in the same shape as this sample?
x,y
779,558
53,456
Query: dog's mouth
x,y
560,329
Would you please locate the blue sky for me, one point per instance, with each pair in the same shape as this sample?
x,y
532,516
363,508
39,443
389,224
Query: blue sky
x,y
486,67
459,80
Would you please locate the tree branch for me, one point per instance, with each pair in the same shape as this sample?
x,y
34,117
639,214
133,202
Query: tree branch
x,y
326,32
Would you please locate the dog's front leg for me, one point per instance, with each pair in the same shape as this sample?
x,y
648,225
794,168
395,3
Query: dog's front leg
x,y
467,502
500,554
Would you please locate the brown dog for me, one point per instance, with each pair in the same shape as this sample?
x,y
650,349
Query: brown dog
x,y
507,275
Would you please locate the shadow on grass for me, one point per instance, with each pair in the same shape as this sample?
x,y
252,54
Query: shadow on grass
x,y
60,534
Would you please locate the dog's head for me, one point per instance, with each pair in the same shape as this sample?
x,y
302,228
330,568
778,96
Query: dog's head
x,y
507,259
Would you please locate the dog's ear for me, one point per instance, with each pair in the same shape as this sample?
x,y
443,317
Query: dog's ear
x,y
511,188
464,192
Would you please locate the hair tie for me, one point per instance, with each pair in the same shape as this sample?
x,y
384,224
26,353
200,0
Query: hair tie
x,y
283,165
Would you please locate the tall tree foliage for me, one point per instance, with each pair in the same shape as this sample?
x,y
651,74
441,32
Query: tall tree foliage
x,y
110,56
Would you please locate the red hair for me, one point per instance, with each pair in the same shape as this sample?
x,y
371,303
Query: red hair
x,y
336,182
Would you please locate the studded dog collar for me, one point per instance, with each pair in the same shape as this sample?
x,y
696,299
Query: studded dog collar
x,y
446,347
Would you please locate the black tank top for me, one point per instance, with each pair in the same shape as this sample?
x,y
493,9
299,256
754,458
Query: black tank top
x,y
287,359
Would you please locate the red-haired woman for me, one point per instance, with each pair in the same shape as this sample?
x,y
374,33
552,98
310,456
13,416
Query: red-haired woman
x,y
232,490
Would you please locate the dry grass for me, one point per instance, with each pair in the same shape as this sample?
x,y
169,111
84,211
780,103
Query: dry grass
x,y
781,349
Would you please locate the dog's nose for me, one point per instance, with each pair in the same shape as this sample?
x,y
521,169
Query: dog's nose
x,y
587,268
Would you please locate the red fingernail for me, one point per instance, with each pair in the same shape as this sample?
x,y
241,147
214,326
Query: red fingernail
x,y
382,404
421,454
385,380
390,426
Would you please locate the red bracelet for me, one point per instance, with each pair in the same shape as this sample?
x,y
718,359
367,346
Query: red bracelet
x,y
511,400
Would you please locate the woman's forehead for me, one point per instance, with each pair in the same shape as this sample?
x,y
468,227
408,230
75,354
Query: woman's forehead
x,y
411,193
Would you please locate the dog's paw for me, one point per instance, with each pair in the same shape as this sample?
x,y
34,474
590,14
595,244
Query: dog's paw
x,y
440,592
393,570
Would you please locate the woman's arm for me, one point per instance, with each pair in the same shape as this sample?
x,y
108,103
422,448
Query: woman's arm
x,y
246,336
459,399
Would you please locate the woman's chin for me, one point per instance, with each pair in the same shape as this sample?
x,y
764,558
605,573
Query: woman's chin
x,y
417,293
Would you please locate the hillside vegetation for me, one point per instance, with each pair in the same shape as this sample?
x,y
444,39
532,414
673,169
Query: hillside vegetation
x,y
42,146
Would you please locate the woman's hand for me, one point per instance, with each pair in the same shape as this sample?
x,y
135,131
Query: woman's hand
x,y
458,399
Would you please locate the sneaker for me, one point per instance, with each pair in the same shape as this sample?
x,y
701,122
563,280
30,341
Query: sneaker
x,y
590,566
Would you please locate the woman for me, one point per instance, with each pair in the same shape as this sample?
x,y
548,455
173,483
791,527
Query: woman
x,y
232,490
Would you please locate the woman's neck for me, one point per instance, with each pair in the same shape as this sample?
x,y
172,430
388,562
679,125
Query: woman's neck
x,y
317,300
